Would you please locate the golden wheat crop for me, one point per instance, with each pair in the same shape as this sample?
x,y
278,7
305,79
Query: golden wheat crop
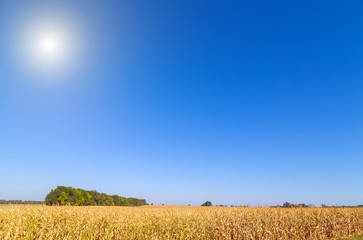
x,y
45,222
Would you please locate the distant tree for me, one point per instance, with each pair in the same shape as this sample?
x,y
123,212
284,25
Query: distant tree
x,y
52,197
287,205
20,202
136,202
87,198
207,204
79,197
62,199
302,205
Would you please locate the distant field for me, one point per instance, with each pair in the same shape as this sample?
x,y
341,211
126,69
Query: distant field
x,y
172,222
1,204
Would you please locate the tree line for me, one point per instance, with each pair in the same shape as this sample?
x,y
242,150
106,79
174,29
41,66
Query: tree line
x,y
287,205
79,197
303,205
20,202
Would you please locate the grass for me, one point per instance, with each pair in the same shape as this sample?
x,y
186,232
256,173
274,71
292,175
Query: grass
x,y
171,222
352,238
357,238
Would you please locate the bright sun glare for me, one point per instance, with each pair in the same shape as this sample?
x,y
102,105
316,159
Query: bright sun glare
x,y
48,45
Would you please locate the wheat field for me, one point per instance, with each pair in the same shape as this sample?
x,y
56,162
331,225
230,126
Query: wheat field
x,y
172,222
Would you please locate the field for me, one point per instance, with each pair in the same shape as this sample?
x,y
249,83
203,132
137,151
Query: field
x,y
172,222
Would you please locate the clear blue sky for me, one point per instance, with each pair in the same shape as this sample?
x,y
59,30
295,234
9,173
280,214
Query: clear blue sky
x,y
178,102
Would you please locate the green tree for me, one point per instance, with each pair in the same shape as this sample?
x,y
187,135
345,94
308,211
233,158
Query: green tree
x,y
62,199
79,197
207,204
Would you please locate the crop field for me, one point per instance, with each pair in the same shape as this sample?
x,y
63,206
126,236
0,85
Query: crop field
x,y
173,222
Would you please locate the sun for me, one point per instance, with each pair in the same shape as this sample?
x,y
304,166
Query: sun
x,y
49,44
49,47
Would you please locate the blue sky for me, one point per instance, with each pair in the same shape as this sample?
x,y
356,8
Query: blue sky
x,y
178,102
